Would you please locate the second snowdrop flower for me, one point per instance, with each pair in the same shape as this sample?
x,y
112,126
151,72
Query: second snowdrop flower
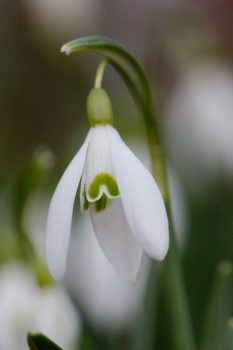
x,y
125,204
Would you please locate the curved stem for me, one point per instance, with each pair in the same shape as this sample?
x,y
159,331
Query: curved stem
x,y
100,72
134,77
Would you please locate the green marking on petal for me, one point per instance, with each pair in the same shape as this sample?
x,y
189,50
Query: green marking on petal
x,y
101,204
106,180
86,204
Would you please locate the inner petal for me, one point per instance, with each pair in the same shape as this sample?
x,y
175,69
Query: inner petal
x,y
98,170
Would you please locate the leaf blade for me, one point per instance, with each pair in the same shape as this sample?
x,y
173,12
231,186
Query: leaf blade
x,y
37,341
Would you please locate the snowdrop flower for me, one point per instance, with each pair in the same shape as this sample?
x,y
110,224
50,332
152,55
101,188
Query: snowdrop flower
x,y
65,17
199,128
26,307
126,207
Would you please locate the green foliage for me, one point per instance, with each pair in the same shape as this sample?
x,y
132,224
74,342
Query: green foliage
x,y
219,309
37,341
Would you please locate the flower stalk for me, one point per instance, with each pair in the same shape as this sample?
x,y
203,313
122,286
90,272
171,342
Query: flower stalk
x,y
100,72
175,289
133,75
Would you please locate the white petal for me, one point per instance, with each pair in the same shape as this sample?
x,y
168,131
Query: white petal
x,y
141,198
60,214
116,239
98,160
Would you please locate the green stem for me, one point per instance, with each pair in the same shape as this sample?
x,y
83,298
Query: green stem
x,y
219,309
100,72
134,77
26,182
145,336
175,290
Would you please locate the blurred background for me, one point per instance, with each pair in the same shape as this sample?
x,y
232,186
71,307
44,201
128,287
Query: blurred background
x,y
185,47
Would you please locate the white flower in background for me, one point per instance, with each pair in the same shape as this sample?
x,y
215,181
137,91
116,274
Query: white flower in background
x,y
26,307
65,17
110,303
126,207
199,126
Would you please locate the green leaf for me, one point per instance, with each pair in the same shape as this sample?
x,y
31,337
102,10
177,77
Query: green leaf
x,y
37,341
147,325
219,309
177,303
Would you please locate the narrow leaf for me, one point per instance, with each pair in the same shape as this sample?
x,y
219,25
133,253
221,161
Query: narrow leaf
x,y
37,341
177,303
219,308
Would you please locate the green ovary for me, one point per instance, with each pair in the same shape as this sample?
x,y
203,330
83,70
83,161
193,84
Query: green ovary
x,y
105,180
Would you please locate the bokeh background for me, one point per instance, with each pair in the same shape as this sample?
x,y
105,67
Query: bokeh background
x,y
186,50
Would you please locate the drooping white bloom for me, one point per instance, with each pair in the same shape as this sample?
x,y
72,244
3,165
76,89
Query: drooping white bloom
x,y
64,16
126,207
24,307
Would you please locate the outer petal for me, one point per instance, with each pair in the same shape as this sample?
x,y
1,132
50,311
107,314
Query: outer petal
x,y
60,214
142,201
116,239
